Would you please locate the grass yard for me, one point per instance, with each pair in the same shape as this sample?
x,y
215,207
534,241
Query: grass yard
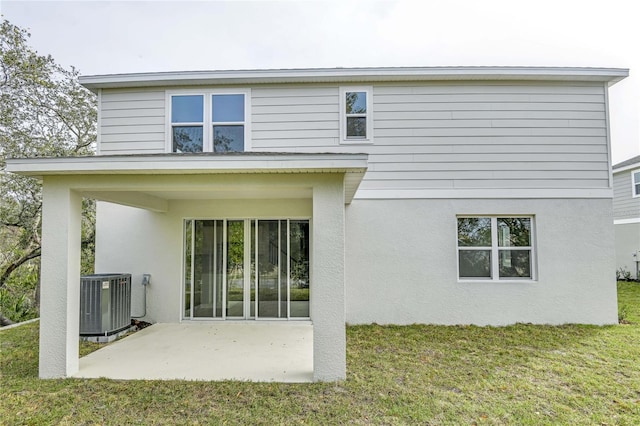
x,y
518,375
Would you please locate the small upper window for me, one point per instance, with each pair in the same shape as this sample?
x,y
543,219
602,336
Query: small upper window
x,y
495,248
187,114
635,176
355,113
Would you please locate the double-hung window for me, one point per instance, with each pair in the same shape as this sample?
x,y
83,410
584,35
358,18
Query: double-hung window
x,y
495,248
635,181
356,114
227,118
187,123
209,121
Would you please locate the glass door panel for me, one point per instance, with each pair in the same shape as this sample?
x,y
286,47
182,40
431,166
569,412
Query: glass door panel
x,y
219,268
217,283
188,266
252,279
283,293
299,265
203,269
268,261
235,268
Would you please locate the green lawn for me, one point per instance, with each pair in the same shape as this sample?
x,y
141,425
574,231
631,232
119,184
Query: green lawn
x,y
518,375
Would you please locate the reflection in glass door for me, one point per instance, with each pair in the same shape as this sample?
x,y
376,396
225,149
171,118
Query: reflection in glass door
x,y
272,269
235,268
218,284
299,268
203,273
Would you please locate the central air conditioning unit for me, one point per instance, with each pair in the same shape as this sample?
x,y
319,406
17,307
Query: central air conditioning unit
x,y
105,306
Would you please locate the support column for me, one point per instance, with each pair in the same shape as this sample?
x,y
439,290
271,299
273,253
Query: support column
x,y
327,285
60,279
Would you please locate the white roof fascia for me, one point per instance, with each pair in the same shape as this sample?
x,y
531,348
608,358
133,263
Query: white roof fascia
x,y
627,168
334,75
186,164
354,166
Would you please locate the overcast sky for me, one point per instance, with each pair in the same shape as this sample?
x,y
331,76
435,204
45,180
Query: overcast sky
x,y
100,37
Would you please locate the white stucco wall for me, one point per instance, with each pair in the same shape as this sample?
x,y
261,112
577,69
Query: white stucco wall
x,y
327,292
400,259
60,286
401,264
139,241
628,242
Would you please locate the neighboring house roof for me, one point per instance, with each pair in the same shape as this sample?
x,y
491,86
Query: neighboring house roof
x,y
332,75
627,164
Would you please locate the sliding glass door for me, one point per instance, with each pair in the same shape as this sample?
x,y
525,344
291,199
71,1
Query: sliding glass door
x,y
246,269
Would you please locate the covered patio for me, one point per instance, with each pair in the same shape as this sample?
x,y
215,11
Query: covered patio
x,y
165,189
259,351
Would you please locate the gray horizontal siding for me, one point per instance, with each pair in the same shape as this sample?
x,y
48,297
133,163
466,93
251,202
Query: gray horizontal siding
x,y
525,144
379,184
426,136
466,135
625,206
288,118
492,106
470,174
500,135
132,121
491,87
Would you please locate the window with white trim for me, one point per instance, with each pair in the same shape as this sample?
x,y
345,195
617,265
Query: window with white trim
x,y
495,248
187,123
211,121
635,181
356,123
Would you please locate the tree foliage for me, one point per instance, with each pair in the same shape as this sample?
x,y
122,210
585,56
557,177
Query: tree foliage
x,y
44,112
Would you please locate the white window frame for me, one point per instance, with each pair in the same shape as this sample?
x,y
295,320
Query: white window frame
x,y
635,182
207,125
343,115
171,125
495,250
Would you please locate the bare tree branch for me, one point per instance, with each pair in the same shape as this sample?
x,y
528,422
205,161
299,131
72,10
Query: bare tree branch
x,y
16,264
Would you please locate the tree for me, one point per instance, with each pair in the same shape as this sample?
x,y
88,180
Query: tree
x,y
44,112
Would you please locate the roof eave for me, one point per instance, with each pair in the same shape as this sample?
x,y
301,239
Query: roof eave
x,y
629,164
348,75
627,168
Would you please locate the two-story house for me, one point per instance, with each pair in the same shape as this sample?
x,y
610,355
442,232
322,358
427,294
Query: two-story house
x,y
453,195
626,216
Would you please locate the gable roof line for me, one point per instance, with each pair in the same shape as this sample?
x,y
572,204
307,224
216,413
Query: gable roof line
x,y
349,75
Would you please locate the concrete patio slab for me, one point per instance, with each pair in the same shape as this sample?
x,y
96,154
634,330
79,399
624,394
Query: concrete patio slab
x,y
252,351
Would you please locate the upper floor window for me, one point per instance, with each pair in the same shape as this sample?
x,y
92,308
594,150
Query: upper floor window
x,y
356,114
214,121
635,178
495,248
187,119
228,122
